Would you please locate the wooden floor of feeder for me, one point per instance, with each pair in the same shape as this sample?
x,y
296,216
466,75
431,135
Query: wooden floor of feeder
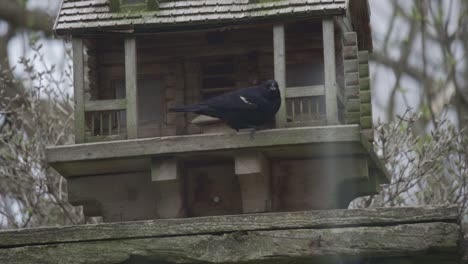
x,y
381,235
135,154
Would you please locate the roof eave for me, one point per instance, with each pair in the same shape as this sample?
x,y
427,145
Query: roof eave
x,y
174,27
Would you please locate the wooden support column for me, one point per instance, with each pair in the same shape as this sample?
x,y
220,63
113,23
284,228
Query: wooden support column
x,y
253,172
78,89
365,95
330,71
279,54
166,175
131,87
351,73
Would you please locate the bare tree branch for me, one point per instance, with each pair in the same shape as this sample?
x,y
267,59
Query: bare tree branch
x,y
20,17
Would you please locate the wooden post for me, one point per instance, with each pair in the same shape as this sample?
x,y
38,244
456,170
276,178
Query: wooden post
x,y
280,71
351,73
365,95
131,87
253,172
330,71
78,88
166,174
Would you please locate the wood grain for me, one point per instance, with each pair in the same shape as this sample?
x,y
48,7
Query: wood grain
x,y
279,55
228,223
305,91
105,105
330,71
131,90
436,239
78,89
202,143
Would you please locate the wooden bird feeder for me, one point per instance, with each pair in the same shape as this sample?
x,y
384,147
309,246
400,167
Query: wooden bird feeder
x,y
134,160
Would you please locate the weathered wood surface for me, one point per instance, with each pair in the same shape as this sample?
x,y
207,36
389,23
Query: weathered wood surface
x,y
135,155
224,224
279,60
202,143
78,88
305,91
105,105
165,169
252,169
131,89
330,71
439,240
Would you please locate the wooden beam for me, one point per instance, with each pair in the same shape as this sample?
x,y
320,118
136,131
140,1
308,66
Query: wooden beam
x,y
253,172
142,163
349,168
174,145
105,105
166,173
165,169
91,139
437,242
330,71
279,55
305,91
250,162
229,223
78,89
131,87
283,237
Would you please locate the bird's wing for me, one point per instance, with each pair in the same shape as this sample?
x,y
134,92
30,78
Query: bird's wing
x,y
238,100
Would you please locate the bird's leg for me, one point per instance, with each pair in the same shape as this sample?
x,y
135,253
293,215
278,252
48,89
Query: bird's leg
x,y
252,133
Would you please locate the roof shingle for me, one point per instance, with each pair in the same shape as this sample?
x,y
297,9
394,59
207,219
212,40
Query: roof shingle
x,y
96,15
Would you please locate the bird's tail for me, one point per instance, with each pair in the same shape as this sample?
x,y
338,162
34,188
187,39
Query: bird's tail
x,y
190,108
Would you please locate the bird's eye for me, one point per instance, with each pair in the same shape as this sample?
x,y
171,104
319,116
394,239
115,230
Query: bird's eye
x,y
272,87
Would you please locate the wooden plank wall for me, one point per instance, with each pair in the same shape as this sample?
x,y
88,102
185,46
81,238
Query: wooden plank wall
x,y
351,69
115,197
213,188
365,95
176,60
340,78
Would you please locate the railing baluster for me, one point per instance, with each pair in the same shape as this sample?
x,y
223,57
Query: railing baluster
x,y
101,124
293,110
92,124
317,107
118,122
301,107
109,115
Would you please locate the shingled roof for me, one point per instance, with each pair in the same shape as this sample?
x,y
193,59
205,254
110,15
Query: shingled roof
x,y
95,15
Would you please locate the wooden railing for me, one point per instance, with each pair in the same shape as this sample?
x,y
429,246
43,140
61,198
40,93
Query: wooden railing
x,y
104,120
305,105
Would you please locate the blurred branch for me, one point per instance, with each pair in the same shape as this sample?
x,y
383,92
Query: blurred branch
x,y
408,70
432,36
19,17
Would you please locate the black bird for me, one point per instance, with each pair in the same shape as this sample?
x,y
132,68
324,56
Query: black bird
x,y
243,108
